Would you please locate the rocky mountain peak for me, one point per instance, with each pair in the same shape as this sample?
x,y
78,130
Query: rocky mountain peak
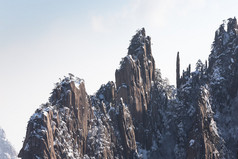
x,y
134,81
53,126
2,133
141,115
65,88
7,151
224,37
232,25
223,57
140,45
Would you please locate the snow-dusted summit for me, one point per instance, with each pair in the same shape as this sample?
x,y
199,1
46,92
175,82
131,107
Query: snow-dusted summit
x,y
7,151
141,115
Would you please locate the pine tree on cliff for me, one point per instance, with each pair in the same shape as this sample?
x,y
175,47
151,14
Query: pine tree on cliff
x,y
178,70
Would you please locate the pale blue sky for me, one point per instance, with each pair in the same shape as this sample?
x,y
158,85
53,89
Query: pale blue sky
x,y
42,40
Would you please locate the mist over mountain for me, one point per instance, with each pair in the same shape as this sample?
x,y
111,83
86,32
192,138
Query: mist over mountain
x,y
140,115
7,151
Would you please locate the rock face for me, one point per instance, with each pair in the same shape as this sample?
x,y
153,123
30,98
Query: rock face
x,y
211,93
59,128
141,115
134,82
7,151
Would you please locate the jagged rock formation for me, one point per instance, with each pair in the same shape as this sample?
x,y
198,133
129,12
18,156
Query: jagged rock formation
x,y
223,75
59,129
178,71
214,89
141,115
7,151
134,82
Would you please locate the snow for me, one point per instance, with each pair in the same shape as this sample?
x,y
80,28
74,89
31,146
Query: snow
x,y
226,38
101,96
76,84
129,57
36,116
214,127
191,142
191,110
236,48
7,151
45,113
216,76
37,157
142,153
216,153
26,147
67,80
2,134
7,156
154,145
123,85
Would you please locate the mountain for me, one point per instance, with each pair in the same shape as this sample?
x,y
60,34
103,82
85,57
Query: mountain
x,y
7,151
141,115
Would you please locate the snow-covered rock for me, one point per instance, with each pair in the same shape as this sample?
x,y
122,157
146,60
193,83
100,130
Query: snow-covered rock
x,y
141,115
7,151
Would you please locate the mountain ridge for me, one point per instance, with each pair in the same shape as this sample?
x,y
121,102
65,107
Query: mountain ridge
x,y
7,151
141,115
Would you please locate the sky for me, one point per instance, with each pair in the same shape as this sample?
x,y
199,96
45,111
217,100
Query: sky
x,y
44,40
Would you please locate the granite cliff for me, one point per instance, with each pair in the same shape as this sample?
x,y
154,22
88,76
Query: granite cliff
x,y
141,115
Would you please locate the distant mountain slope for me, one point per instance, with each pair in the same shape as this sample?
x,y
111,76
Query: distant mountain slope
x,y
141,115
6,149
